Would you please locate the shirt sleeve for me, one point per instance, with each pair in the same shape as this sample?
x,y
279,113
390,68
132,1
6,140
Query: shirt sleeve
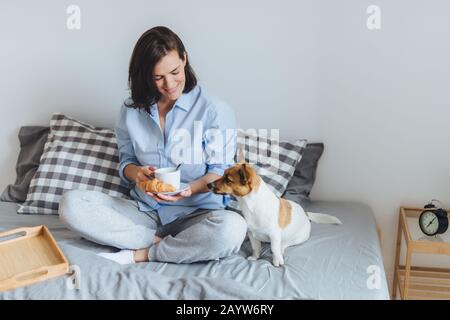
x,y
220,138
125,147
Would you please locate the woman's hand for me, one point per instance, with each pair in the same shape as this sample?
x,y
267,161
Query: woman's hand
x,y
194,187
144,173
162,197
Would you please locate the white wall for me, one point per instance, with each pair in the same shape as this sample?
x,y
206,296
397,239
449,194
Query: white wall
x,y
383,105
379,100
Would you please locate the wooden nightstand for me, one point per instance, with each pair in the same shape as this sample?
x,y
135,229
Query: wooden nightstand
x,y
419,282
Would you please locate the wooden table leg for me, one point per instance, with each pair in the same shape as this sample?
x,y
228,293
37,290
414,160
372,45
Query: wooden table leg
x,y
397,258
407,272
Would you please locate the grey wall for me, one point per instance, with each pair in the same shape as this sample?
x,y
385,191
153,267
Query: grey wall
x,y
379,100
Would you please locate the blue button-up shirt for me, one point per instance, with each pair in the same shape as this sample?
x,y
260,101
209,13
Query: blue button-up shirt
x,y
200,133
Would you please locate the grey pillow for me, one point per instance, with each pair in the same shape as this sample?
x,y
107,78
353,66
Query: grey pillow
x,y
32,140
300,185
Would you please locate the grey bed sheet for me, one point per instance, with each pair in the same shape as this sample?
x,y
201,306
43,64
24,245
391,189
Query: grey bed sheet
x,y
335,263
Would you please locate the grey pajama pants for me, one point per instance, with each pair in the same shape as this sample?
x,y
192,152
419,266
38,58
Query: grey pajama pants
x,y
107,220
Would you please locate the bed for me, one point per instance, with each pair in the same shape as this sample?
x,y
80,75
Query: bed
x,y
336,263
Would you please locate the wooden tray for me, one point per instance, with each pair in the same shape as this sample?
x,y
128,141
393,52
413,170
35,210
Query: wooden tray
x,y
32,255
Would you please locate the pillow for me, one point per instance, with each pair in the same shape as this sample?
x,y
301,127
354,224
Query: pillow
x,y
76,156
299,187
32,140
262,153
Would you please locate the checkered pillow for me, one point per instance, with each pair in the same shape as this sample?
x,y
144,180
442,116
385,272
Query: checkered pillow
x,y
274,161
76,156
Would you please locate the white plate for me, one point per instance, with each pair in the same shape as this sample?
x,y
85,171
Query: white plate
x,y
183,186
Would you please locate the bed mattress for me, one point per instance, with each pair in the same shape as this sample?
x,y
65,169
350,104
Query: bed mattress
x,y
337,262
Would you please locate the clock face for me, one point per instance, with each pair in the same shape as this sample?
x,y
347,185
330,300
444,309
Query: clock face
x,y
429,223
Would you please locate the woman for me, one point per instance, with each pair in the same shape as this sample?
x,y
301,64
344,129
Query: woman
x,y
165,101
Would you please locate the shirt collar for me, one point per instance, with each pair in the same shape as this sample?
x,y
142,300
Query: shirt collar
x,y
183,102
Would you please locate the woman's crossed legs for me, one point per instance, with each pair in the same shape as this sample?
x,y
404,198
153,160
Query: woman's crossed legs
x,y
200,236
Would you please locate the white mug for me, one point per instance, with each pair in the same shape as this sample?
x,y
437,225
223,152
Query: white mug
x,y
169,175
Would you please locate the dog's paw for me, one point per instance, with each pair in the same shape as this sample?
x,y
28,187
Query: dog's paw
x,y
277,261
252,258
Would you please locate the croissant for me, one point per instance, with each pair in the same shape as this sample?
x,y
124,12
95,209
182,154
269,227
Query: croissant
x,y
155,185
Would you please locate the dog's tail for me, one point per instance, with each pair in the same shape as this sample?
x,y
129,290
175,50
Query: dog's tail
x,y
323,218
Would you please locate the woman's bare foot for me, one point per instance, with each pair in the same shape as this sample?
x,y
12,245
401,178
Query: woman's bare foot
x,y
141,255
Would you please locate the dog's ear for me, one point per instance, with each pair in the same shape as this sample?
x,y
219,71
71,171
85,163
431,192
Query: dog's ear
x,y
240,156
243,174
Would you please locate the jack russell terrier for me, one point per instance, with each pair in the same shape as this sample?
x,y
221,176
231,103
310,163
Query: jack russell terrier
x,y
281,222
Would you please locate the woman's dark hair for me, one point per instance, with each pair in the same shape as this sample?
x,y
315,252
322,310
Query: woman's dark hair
x,y
149,49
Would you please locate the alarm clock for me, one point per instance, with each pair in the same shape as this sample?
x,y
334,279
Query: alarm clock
x,y
433,220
